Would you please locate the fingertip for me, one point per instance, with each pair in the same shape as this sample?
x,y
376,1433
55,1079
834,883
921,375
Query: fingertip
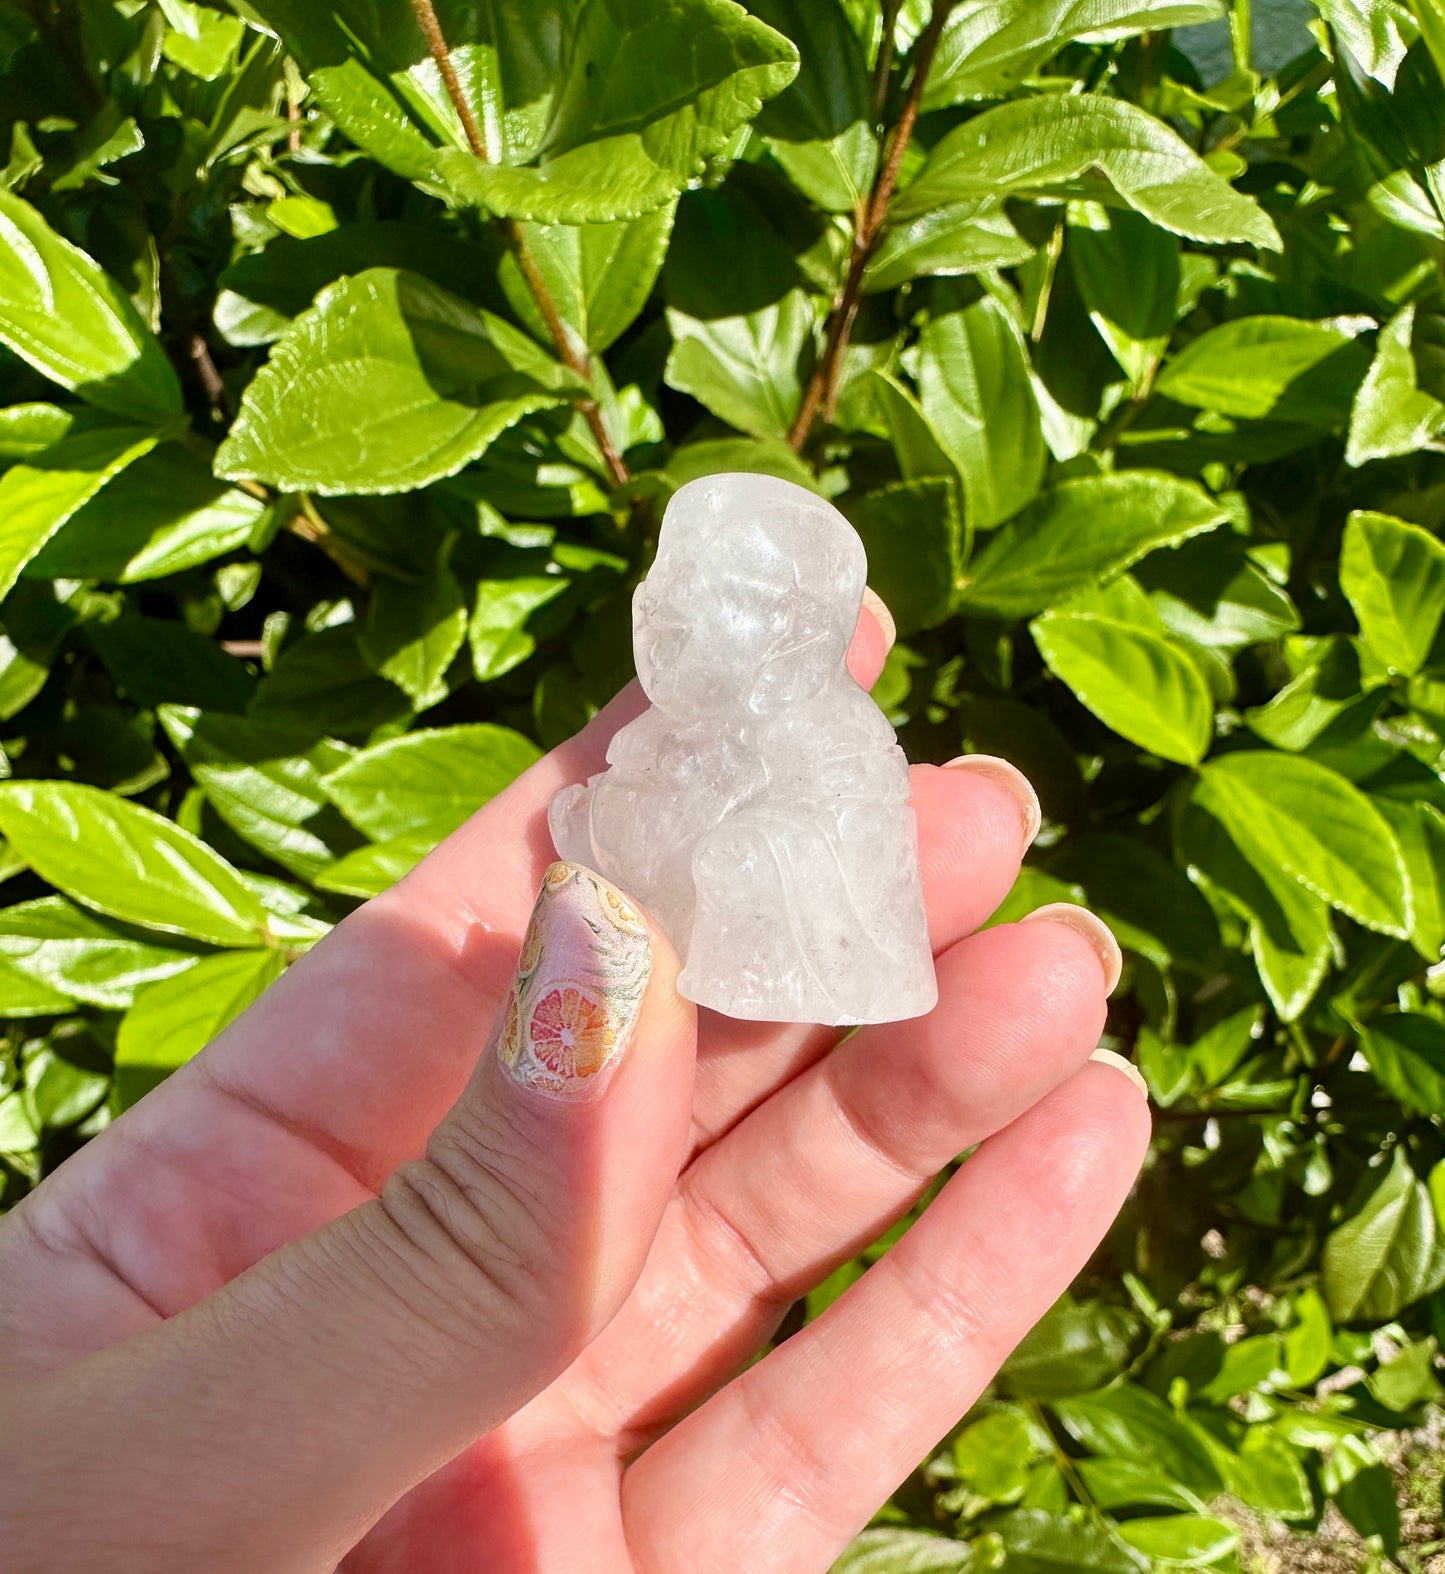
x,y
873,638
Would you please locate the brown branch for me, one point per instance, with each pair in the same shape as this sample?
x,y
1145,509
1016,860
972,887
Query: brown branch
x,y
514,235
823,384
200,353
886,46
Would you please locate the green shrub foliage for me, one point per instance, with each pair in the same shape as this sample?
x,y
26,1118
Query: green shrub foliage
x,y
338,408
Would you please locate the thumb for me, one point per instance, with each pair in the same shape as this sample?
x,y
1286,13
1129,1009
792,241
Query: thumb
x,y
331,1377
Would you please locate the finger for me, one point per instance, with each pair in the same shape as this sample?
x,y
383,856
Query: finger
x,y
462,910
1020,1009
378,1347
976,818
305,1105
784,1466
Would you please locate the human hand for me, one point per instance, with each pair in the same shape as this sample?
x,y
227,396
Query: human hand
x,y
341,1292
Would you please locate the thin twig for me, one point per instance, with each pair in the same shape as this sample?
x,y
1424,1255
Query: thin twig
x,y
823,384
200,353
886,45
512,232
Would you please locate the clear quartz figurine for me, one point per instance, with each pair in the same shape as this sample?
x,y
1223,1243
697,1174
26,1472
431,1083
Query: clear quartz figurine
x,y
760,807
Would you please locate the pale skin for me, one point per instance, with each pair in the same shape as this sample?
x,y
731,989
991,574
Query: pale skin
x,y
342,1294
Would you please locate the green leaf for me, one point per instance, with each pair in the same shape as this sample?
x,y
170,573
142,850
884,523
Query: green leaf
x,y
1307,1345
992,1456
598,275
1133,677
820,128
154,661
745,369
988,46
83,956
1083,532
371,870
1392,414
27,429
1133,1423
644,95
23,995
264,779
175,1019
1393,575
890,1549
1280,368
200,40
35,626
1147,901
1289,926
1361,1484
323,682
414,630
163,514
1182,1540
914,541
1388,1255
75,325
1086,145
1076,1347
963,237
1377,33
387,383
974,388
1127,272
37,498
427,783
127,861
1406,1052
498,626
1038,1542
1312,824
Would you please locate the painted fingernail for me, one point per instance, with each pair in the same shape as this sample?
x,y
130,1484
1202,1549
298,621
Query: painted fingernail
x,y
1013,780
1093,929
879,608
1107,1057
577,993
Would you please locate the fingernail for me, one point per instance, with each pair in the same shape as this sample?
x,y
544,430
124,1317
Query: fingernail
x,y
1107,1057
1093,929
879,608
1013,780
577,994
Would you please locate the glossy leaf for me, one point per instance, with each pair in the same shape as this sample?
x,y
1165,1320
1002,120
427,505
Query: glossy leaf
x,y
1256,367
1314,825
1047,146
744,369
74,324
386,383
914,540
1393,575
1392,414
1389,1254
1133,677
264,779
82,955
426,783
127,861
987,47
1079,533
173,1020
1127,272
973,385
38,497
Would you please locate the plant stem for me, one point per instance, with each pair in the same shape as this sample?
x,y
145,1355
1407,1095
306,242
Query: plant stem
x,y
823,384
516,239
884,67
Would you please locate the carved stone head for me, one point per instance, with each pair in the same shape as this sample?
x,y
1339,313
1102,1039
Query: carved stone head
x,y
751,603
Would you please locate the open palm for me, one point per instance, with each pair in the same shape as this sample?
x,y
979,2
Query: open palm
x,y
622,1288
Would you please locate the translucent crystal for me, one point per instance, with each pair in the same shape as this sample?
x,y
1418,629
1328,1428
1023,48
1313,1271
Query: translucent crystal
x,y
760,807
